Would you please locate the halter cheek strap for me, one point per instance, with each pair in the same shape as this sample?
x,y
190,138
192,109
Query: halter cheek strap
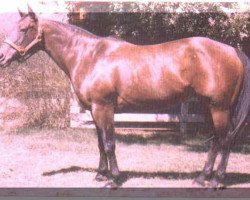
x,y
23,50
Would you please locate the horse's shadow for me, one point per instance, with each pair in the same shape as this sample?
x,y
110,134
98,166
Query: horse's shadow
x,y
231,179
242,144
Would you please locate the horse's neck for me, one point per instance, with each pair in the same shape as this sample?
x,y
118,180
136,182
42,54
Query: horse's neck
x,y
65,46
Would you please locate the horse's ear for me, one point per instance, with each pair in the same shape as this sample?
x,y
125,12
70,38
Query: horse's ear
x,y
21,13
31,13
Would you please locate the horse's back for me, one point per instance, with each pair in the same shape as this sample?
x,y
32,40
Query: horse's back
x,y
165,73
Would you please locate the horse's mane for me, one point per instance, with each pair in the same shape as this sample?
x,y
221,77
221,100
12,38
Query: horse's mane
x,y
74,29
78,30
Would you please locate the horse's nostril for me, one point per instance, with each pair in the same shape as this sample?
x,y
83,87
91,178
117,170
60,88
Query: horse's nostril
x,y
1,55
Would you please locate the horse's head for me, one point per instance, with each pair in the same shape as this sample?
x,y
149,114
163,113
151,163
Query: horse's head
x,y
23,38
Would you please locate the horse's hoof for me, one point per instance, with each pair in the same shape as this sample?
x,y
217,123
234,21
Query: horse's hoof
x,y
100,178
214,184
199,181
221,186
207,184
111,185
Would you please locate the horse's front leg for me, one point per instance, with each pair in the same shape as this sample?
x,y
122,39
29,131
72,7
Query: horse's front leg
x,y
103,115
102,172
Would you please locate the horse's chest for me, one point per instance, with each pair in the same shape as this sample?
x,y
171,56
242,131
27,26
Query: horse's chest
x,y
81,90
93,88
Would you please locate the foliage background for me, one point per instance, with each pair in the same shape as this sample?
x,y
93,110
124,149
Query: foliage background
x,y
152,22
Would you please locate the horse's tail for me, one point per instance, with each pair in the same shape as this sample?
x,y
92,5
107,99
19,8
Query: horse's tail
x,y
242,105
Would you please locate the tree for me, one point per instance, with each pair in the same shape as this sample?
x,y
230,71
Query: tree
x,y
155,22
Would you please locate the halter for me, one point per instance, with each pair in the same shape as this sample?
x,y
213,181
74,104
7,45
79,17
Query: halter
x,y
23,50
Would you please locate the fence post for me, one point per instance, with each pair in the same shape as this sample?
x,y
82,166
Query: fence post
x,y
183,117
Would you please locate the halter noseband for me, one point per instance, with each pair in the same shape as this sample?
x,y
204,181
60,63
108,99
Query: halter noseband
x,y
23,50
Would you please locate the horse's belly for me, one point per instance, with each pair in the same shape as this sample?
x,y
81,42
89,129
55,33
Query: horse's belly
x,y
142,105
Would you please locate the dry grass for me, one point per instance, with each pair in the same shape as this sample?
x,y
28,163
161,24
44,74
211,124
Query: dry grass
x,y
38,86
41,91
68,158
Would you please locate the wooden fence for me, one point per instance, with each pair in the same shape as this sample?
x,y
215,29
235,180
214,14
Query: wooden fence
x,y
83,119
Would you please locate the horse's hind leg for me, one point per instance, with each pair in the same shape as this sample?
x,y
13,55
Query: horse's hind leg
x,y
221,120
208,167
103,115
217,181
220,117
212,154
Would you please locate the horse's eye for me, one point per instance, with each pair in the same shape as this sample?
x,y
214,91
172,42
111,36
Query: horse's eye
x,y
24,30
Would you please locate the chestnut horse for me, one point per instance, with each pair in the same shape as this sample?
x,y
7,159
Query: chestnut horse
x,y
110,75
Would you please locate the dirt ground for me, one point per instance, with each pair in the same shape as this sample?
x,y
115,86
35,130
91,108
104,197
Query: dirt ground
x,y
69,158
